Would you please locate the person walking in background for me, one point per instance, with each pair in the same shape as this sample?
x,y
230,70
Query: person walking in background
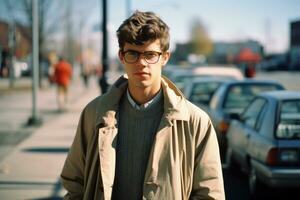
x,y
86,72
62,77
142,139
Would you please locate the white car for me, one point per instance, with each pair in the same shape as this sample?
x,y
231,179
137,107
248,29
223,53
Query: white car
x,y
228,72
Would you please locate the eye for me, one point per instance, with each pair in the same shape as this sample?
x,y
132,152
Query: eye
x,y
150,54
131,56
132,53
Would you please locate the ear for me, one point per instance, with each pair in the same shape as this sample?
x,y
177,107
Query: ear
x,y
165,57
121,56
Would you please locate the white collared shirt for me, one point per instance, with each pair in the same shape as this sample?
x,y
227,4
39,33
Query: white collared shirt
x,y
145,105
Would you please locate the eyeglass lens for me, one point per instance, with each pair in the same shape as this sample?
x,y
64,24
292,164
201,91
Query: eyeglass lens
x,y
151,57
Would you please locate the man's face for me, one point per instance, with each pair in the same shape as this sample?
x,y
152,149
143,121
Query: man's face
x,y
145,72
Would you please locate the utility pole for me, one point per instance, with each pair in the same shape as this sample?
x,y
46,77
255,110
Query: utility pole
x,y
105,61
12,49
34,120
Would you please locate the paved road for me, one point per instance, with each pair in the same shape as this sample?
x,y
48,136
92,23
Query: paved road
x,y
291,80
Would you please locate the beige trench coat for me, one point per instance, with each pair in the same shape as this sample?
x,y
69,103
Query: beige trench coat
x,y
184,162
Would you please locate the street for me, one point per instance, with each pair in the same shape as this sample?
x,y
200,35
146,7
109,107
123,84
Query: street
x,y
236,188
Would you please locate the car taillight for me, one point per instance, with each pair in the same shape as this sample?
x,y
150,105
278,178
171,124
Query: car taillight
x,y
223,127
278,156
272,157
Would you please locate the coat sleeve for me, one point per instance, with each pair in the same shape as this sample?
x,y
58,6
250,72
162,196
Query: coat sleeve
x,y
208,178
72,175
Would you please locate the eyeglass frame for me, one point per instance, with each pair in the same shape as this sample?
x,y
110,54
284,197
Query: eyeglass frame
x,y
139,56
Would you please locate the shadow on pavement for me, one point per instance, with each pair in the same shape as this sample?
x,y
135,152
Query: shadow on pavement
x,y
47,150
48,198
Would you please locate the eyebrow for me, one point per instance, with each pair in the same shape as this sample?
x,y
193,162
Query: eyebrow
x,y
142,51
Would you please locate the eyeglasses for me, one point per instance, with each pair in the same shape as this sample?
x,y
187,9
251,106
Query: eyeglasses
x,y
151,57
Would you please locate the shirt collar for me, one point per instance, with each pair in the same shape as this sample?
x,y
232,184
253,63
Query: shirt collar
x,y
145,105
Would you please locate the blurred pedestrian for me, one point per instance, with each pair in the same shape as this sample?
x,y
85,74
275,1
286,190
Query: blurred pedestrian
x,y
142,139
4,65
250,71
86,72
62,77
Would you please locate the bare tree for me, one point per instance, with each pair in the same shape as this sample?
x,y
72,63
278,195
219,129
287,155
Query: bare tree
x,y
49,12
55,16
200,41
77,15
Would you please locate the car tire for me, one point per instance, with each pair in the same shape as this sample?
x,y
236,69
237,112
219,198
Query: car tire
x,y
256,187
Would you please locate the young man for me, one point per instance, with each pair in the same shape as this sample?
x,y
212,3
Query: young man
x,y
142,139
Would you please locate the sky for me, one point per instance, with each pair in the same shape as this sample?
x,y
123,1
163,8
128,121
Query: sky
x,y
266,21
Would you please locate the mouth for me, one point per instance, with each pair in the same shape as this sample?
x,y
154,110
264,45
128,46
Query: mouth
x,y
141,74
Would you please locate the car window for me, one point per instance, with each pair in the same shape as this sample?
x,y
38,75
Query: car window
x,y
252,113
183,77
239,96
180,80
289,124
290,107
217,97
203,91
261,116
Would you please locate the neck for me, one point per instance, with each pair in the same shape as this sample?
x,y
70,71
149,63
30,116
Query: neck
x,y
143,95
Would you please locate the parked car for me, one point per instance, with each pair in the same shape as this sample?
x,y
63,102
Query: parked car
x,y
200,90
265,141
230,99
229,72
224,71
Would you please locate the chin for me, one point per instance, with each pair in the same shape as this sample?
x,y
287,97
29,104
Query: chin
x,y
143,84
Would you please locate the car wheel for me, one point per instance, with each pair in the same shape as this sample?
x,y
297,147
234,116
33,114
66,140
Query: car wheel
x,y
255,185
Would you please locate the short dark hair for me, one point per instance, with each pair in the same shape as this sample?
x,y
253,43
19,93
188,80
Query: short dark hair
x,y
142,27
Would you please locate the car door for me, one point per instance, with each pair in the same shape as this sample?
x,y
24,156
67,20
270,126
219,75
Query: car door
x,y
260,140
250,130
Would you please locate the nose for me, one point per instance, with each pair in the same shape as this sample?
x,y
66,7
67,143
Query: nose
x,y
142,60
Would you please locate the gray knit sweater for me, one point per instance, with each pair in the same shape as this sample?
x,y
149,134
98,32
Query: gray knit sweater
x,y
136,131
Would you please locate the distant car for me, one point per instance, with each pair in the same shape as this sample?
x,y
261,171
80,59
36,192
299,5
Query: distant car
x,y
230,99
229,72
170,69
200,90
224,71
19,68
265,141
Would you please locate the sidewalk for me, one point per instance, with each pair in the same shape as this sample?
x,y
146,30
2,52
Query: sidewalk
x,y
32,169
19,84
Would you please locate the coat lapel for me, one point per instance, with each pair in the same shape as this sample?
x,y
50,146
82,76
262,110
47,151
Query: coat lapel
x,y
107,152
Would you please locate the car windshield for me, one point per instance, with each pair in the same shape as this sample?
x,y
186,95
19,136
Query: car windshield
x,y
182,78
289,124
239,96
203,91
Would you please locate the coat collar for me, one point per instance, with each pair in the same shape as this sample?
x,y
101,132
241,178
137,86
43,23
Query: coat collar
x,y
107,106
